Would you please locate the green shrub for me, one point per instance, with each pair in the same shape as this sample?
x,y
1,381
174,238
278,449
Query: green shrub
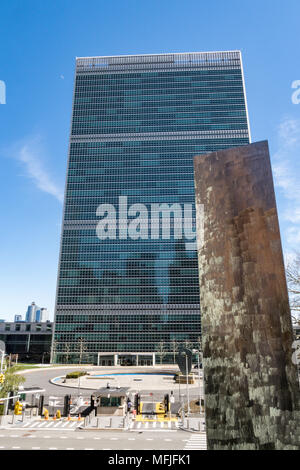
x,y
75,374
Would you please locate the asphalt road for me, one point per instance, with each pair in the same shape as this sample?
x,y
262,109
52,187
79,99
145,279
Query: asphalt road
x,y
41,378
15,439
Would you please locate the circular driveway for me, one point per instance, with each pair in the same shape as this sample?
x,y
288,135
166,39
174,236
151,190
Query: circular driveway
x,y
151,379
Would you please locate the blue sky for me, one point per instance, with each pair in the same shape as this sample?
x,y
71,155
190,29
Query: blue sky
x,y
39,41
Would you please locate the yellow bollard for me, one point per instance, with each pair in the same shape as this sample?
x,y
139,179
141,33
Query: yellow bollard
x,y
58,414
18,408
46,413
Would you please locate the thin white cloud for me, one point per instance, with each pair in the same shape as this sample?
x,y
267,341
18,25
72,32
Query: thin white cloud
x,y
30,153
286,170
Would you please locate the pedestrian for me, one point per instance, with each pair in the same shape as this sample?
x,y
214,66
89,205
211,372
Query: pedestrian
x,y
129,405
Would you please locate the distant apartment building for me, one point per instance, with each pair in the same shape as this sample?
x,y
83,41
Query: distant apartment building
x,y
36,314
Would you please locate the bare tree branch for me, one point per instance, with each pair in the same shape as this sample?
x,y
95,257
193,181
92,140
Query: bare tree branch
x,y
293,282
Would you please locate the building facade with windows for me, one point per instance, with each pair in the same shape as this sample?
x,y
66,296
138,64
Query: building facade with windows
x,y
30,341
127,288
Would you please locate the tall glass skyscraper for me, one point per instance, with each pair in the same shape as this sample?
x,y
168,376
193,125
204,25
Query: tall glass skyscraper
x,y
128,275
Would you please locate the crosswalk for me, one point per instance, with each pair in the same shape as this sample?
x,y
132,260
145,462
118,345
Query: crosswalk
x,y
49,424
154,425
196,442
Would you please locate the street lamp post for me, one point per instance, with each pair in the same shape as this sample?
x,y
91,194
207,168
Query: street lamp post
x,y
187,387
197,351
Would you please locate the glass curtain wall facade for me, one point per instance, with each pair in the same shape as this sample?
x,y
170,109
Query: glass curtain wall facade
x,y
125,285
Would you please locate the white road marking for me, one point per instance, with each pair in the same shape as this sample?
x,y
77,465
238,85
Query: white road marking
x,y
74,424
42,424
34,424
196,442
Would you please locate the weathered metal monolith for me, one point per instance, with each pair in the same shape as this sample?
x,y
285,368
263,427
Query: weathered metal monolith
x,y
252,393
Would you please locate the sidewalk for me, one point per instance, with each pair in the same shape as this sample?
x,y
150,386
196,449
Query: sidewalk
x,y
193,424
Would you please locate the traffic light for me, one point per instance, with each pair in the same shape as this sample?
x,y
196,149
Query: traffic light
x,y
137,402
166,403
41,405
67,403
2,378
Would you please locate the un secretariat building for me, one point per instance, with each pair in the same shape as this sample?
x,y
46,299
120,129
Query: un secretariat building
x,y
128,289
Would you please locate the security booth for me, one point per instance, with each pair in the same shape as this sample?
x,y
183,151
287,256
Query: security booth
x,y
110,401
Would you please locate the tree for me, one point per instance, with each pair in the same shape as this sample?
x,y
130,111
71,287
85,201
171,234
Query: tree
x,y
54,351
161,350
67,351
188,344
12,381
293,282
174,349
81,348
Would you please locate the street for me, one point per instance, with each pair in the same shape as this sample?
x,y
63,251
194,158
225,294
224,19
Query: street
x,y
14,439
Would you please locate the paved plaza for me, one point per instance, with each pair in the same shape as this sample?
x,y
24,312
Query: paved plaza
x,y
135,378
